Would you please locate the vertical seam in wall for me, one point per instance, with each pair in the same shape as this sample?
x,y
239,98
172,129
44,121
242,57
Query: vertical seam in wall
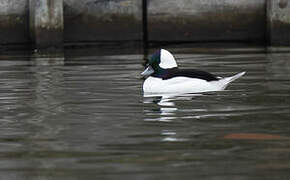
x,y
144,21
31,21
268,27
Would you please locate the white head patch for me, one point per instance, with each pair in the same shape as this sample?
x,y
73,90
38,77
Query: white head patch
x,y
167,60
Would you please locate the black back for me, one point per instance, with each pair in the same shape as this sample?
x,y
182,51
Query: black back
x,y
191,73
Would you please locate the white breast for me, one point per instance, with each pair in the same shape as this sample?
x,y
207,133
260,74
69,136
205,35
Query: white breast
x,y
181,85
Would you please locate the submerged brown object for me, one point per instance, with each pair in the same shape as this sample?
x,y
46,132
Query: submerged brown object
x,y
254,136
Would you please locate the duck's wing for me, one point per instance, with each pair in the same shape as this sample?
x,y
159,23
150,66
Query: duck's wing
x,y
192,73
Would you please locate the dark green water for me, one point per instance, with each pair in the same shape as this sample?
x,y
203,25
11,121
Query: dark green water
x,y
83,116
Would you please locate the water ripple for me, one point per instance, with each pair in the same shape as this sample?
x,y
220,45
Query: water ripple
x,y
86,117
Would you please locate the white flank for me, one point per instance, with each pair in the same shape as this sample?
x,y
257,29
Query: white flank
x,y
186,85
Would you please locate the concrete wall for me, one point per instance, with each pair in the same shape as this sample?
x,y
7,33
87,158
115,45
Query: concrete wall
x,y
206,20
46,23
278,22
14,21
88,21
102,20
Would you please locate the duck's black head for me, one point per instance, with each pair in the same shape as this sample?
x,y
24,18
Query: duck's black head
x,y
160,64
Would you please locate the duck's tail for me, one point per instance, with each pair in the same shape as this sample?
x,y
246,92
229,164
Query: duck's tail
x,y
232,78
226,81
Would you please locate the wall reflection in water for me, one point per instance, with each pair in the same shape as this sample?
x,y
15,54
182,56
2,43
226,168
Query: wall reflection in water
x,y
47,107
48,92
278,71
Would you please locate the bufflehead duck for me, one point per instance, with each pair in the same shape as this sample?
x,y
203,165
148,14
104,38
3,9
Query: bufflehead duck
x,y
164,77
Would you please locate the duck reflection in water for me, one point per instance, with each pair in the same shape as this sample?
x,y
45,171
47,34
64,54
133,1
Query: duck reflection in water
x,y
164,110
166,105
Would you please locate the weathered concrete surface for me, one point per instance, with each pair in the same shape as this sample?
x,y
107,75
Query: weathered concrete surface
x,y
206,20
102,20
278,22
46,23
91,21
13,22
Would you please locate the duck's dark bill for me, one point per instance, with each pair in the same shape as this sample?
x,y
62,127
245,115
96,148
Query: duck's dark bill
x,y
148,71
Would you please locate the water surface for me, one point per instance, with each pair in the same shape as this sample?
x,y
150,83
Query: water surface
x,y
83,116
